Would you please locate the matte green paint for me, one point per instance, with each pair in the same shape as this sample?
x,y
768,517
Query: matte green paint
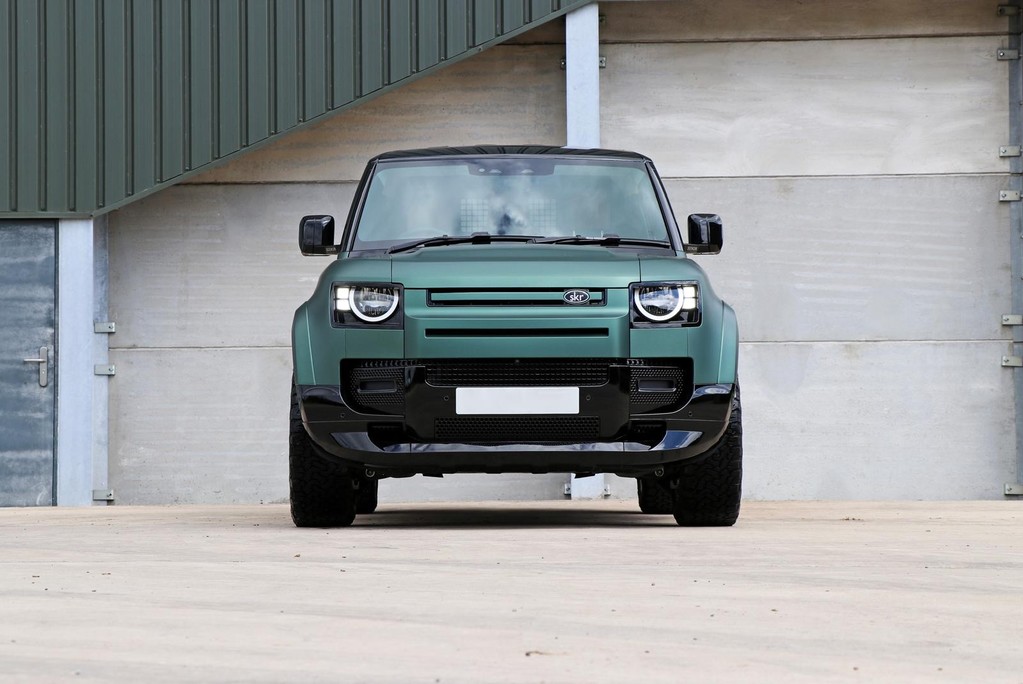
x,y
107,101
713,345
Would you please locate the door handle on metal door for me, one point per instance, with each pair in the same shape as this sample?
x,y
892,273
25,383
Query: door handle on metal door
x,y
43,362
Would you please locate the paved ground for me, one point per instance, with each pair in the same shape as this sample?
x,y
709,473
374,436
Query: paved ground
x,y
530,592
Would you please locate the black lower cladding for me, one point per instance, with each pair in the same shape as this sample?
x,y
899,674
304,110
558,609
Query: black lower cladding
x,y
611,388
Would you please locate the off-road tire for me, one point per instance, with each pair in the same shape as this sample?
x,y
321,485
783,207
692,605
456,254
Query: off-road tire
x,y
322,494
655,496
366,497
709,492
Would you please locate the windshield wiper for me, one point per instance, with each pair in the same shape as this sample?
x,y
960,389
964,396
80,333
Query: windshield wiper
x,y
604,241
475,239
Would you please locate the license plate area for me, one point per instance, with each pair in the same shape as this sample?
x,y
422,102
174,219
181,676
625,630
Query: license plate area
x,y
503,401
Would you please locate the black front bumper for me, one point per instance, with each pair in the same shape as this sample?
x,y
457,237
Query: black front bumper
x,y
399,416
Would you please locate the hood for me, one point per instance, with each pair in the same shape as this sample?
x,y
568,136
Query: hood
x,y
515,265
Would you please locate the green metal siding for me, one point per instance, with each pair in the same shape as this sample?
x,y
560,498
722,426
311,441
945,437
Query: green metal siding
x,y
105,101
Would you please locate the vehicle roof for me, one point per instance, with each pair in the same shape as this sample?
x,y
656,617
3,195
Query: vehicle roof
x,y
504,150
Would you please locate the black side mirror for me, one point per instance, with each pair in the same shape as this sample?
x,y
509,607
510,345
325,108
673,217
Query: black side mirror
x,y
316,235
705,234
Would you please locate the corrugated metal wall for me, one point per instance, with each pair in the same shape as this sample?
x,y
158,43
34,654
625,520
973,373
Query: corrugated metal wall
x,y
104,101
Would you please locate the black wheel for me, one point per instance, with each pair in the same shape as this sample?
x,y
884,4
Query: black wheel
x,y
322,494
709,492
654,495
366,497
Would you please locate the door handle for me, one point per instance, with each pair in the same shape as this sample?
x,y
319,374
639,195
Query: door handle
x,y
44,362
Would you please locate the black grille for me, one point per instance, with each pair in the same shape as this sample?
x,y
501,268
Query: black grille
x,y
518,373
517,429
513,297
672,398
363,383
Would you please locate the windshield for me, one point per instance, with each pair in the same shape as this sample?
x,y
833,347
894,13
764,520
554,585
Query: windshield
x,y
537,197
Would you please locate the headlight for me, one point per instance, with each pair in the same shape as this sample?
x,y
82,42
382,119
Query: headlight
x,y
370,303
677,303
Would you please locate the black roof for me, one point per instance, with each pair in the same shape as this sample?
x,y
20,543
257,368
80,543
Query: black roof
x,y
481,150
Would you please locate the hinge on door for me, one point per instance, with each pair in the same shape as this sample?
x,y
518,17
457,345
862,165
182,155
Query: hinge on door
x,y
1012,361
105,328
1005,54
1009,151
104,369
1008,196
1012,319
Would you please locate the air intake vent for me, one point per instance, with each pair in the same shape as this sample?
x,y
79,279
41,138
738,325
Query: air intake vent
x,y
518,373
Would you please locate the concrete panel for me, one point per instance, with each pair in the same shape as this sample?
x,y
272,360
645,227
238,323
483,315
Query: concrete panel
x,y
198,266
199,425
913,106
822,421
877,421
504,95
916,258
741,20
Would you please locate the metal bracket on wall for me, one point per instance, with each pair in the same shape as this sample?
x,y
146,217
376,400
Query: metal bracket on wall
x,y
105,328
1009,151
1012,361
104,369
1012,319
103,495
601,62
1008,10
1013,489
1008,195
1005,54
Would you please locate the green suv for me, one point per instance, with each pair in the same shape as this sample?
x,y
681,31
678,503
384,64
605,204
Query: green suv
x,y
514,309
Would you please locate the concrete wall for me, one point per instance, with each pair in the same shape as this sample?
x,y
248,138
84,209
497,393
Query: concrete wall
x,y
852,148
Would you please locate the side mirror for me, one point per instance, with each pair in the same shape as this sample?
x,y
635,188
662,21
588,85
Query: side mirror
x,y
316,235
705,234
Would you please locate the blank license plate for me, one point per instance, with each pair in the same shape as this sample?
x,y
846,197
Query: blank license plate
x,y
471,401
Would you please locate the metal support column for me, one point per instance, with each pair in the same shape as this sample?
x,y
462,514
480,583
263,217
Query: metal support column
x,y
74,362
582,77
1016,225
582,126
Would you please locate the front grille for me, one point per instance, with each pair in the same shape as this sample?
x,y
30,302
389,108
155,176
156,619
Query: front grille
x,y
514,297
517,429
518,373
379,386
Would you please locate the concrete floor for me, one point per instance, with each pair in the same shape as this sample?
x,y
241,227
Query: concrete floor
x,y
514,592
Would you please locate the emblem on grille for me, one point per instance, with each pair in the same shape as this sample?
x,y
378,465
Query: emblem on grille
x,y
577,296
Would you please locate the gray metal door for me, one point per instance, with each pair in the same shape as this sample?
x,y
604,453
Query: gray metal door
x,y
27,298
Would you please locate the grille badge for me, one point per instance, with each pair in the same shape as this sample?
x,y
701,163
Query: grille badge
x,y
576,297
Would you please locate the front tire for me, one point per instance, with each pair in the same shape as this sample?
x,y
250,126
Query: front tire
x,y
655,497
366,501
322,492
709,492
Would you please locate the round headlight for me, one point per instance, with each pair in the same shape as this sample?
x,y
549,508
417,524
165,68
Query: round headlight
x,y
658,302
373,304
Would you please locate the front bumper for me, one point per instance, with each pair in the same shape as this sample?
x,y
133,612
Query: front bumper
x,y
400,416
